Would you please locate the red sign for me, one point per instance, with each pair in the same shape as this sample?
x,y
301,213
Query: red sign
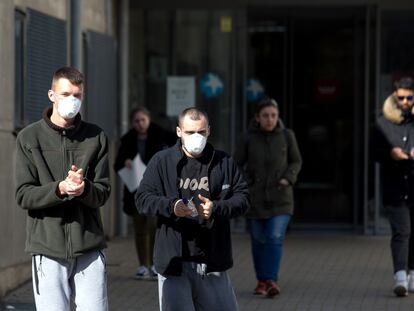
x,y
326,90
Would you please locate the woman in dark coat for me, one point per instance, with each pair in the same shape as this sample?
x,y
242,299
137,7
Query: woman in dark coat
x,y
144,138
271,159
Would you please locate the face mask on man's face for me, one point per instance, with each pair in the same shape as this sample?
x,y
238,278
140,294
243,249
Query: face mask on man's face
x,y
68,107
195,143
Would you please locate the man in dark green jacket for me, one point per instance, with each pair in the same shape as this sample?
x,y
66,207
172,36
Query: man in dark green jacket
x,y
61,180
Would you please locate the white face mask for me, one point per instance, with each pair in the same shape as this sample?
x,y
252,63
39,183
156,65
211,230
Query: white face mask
x,y
68,107
195,143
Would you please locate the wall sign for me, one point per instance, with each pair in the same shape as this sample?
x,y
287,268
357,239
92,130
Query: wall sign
x,y
211,85
180,94
254,90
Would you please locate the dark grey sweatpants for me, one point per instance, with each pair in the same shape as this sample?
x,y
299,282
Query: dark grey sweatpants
x,y
194,291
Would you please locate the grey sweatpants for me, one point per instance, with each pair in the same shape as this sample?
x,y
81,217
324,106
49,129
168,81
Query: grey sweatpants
x,y
57,282
194,291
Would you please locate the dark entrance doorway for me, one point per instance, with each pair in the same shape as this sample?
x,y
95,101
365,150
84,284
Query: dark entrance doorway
x,y
311,62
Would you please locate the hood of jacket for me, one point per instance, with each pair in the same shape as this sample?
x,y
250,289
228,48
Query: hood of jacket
x,y
70,130
392,111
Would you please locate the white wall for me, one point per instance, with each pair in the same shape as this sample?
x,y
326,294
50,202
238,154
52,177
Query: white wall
x,y
12,219
94,16
56,8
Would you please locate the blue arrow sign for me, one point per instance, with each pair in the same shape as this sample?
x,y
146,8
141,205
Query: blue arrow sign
x,y
254,90
211,85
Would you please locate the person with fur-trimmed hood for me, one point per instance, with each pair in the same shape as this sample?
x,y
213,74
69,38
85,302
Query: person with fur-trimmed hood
x,y
395,151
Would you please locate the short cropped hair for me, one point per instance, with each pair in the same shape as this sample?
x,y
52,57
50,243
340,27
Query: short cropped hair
x,y
137,109
193,113
406,83
70,73
266,102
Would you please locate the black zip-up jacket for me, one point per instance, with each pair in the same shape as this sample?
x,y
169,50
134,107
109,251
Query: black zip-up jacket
x,y
158,192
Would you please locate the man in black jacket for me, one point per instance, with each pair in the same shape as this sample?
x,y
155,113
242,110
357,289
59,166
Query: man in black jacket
x,y
194,190
395,151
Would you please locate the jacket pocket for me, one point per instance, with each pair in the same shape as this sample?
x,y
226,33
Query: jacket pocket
x,y
86,232
167,246
283,195
31,229
46,236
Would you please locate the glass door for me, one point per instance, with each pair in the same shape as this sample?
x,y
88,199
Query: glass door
x,y
311,62
185,57
395,28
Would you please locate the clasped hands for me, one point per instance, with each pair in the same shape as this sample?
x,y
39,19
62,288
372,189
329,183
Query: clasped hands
x,y
73,184
205,208
398,154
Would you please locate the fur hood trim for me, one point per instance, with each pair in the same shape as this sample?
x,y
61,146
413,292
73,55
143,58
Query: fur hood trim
x,y
391,110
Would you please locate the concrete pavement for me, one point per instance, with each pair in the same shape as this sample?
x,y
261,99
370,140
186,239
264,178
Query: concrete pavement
x,y
319,271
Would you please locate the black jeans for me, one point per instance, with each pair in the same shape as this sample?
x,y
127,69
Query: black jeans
x,y
401,219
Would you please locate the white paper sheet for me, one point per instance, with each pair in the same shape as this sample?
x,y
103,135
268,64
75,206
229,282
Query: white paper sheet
x,y
132,177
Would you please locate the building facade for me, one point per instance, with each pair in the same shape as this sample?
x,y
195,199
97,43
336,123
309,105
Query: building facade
x,y
37,37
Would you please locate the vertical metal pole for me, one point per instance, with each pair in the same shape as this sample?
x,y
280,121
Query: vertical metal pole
x,y
287,113
174,20
291,68
123,87
75,34
109,18
377,190
233,75
244,29
366,119
356,129
123,64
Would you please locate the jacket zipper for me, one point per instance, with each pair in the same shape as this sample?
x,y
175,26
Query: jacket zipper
x,y
68,244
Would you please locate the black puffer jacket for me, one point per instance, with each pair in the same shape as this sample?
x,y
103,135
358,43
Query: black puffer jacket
x,y
395,129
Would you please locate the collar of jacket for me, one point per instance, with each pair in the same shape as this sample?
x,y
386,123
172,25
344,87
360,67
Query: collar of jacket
x,y
153,130
179,153
69,130
392,112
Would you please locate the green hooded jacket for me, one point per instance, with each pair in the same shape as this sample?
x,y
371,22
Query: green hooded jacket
x,y
61,227
266,158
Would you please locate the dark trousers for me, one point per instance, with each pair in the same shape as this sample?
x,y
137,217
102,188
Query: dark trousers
x,y
401,219
144,234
